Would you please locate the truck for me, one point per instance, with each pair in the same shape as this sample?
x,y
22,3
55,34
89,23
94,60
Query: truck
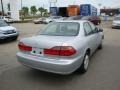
x,y
62,11
88,10
53,11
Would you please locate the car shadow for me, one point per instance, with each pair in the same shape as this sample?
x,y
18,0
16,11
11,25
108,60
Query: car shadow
x,y
53,76
7,41
48,78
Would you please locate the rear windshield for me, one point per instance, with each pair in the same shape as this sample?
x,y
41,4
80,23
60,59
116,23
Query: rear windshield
x,y
3,23
61,29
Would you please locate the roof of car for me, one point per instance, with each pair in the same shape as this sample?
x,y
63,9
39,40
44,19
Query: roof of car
x,y
78,21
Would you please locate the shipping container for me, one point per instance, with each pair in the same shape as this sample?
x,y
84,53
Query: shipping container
x,y
62,11
53,11
88,10
73,10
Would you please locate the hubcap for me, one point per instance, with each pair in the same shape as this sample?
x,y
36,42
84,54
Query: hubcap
x,y
86,62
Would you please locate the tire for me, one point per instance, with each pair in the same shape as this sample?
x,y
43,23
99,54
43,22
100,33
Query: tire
x,y
85,63
15,38
100,46
1,41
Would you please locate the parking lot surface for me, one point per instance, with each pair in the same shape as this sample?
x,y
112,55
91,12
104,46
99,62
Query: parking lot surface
x,y
103,73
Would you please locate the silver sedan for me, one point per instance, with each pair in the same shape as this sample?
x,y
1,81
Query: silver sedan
x,y
61,47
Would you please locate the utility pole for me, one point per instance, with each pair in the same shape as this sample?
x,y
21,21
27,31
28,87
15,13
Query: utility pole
x,y
21,4
99,5
2,7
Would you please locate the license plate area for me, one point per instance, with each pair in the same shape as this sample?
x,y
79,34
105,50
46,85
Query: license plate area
x,y
37,51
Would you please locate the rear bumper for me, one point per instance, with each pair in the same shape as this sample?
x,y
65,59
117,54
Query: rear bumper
x,y
50,65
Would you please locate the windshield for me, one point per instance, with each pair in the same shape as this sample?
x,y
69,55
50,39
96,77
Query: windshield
x,y
61,29
117,18
54,17
3,23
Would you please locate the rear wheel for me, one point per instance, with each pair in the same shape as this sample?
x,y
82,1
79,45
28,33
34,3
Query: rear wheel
x,y
85,64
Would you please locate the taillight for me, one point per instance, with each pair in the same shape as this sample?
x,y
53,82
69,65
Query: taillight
x,y
60,51
24,47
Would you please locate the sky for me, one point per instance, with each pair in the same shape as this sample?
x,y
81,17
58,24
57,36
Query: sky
x,y
61,3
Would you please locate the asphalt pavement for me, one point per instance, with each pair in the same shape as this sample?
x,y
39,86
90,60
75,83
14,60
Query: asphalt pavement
x,y
103,73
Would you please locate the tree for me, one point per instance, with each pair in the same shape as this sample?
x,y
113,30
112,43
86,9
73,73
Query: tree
x,y
45,12
25,11
41,10
33,10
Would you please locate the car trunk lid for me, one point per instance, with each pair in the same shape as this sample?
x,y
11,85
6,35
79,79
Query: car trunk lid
x,y
41,42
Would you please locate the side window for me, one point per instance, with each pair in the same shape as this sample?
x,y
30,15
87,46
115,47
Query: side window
x,y
92,26
87,29
94,30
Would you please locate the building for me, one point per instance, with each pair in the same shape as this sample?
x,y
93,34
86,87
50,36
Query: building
x,y
110,12
15,6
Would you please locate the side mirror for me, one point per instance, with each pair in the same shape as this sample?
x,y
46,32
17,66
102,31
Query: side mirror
x,y
100,30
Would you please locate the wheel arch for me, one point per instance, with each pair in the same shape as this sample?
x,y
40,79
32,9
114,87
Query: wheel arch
x,y
88,51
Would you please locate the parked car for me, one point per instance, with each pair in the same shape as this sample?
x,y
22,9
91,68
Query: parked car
x,y
7,19
94,19
62,18
7,31
116,22
61,47
74,18
52,19
38,21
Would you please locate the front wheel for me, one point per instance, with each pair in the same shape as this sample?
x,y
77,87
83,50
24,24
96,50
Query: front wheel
x,y
100,46
15,38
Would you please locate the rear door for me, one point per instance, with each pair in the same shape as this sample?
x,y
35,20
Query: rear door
x,y
90,36
96,33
